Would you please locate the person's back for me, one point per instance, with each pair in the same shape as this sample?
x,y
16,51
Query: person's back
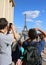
x,y
31,53
5,51
32,36
5,43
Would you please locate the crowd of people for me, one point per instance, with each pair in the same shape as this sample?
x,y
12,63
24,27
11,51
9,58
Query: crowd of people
x,y
26,53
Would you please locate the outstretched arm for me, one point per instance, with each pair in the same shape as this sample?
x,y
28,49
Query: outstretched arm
x,y
13,31
41,31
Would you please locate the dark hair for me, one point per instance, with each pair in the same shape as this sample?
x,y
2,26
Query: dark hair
x,y
32,34
3,23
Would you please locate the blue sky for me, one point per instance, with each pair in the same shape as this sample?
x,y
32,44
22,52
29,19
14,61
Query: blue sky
x,y
36,14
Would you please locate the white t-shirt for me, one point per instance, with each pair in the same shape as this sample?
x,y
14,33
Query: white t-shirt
x,y
5,49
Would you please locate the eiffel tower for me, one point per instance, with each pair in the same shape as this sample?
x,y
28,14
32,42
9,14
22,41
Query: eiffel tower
x,y
25,30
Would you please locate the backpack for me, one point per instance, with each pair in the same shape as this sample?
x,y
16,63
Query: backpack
x,y
32,54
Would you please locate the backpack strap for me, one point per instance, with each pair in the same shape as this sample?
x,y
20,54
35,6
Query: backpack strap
x,y
31,43
35,44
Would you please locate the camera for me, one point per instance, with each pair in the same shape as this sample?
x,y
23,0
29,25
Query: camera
x,y
9,28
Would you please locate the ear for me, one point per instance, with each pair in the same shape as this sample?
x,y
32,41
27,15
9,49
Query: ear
x,y
6,29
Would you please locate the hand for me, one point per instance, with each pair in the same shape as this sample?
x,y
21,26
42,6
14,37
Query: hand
x,y
36,29
13,30
12,27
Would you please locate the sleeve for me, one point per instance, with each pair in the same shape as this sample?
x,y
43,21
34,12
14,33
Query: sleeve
x,y
21,53
40,46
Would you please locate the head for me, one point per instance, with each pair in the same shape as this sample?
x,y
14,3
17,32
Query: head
x,y
32,34
3,25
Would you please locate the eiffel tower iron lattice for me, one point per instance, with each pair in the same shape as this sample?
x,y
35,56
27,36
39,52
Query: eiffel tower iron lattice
x,y
25,30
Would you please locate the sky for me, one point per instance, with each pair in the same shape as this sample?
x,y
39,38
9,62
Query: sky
x,y
35,11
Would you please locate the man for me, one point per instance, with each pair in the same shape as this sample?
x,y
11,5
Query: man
x,y
32,34
5,42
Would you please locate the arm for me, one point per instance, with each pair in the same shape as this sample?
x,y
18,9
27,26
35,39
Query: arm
x,y
44,51
13,31
43,33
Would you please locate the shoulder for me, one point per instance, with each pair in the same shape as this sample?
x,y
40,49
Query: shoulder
x,y
8,38
5,36
25,44
42,41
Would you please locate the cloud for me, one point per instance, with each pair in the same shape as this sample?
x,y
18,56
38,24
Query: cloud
x,y
19,27
29,20
32,14
38,23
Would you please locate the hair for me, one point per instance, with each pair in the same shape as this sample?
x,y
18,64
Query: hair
x,y
3,23
32,34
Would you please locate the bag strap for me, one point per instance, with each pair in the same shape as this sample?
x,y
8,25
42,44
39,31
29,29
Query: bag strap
x,y
30,44
35,44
